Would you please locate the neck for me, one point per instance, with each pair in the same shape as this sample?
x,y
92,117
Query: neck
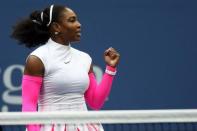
x,y
60,40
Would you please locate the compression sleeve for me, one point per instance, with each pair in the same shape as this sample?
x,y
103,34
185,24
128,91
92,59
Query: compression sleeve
x,y
96,94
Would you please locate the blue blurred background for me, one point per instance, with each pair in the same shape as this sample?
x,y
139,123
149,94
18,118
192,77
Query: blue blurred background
x,y
156,40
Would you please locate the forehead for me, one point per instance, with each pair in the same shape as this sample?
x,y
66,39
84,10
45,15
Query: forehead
x,y
68,13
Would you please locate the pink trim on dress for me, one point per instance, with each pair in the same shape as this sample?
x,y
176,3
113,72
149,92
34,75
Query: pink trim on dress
x,y
53,127
94,127
65,128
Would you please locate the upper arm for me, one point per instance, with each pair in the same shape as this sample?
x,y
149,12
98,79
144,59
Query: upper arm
x,y
34,66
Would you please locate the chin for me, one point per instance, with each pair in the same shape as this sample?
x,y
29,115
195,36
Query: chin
x,y
77,39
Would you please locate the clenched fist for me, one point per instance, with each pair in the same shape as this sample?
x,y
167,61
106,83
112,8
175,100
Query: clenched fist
x,y
111,57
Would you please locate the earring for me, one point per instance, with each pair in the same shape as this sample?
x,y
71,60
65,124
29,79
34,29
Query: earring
x,y
56,33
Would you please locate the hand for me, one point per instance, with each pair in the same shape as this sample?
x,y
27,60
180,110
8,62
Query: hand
x,y
111,57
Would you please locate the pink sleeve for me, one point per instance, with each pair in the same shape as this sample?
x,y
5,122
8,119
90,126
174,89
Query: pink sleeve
x,y
30,91
95,95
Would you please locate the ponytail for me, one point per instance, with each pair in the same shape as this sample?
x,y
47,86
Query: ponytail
x,y
34,30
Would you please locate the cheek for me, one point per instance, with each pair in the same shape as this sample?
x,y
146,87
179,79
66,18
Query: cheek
x,y
71,27
68,30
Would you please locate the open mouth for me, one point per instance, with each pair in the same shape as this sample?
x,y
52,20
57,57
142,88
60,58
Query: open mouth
x,y
79,33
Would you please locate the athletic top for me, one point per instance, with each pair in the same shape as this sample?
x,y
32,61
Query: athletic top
x,y
65,80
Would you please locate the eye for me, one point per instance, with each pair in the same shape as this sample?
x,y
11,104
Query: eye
x,y
72,19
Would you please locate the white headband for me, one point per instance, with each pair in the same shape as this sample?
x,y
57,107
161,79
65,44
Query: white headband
x,y
41,16
50,17
35,21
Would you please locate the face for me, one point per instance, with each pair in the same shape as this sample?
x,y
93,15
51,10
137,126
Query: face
x,y
69,26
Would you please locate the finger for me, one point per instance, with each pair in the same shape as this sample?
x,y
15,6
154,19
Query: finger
x,y
112,49
106,52
112,55
114,52
115,55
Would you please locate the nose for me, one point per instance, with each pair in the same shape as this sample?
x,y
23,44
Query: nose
x,y
78,24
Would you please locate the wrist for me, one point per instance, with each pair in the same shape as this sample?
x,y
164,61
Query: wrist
x,y
110,70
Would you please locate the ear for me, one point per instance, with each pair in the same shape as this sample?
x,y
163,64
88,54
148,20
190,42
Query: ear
x,y
56,27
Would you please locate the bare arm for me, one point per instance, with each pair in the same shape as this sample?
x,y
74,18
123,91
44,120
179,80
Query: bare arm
x,y
34,67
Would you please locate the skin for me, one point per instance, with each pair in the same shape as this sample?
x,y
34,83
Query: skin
x,y
68,28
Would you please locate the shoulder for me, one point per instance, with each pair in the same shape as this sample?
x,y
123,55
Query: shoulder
x,y
35,62
41,53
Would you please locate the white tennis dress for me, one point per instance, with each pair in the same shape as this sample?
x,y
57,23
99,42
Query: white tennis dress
x,y
64,83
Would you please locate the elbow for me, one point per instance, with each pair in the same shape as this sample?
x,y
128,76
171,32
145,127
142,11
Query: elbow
x,y
95,106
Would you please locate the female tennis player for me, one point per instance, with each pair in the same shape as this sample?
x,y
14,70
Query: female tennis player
x,y
58,77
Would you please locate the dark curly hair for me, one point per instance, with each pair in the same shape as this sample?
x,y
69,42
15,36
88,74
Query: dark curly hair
x,y
34,31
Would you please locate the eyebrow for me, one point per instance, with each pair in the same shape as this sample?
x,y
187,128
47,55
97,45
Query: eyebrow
x,y
72,17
